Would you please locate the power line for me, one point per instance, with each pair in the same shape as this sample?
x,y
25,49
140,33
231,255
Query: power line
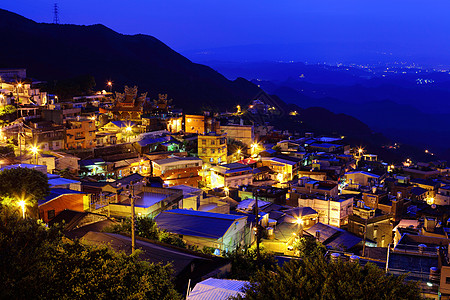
x,y
55,14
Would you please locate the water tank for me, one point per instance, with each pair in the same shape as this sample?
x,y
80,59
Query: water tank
x,y
434,274
335,256
318,235
270,232
422,248
354,258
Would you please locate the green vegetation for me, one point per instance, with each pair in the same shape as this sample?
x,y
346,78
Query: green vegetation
x,y
147,228
245,263
7,109
23,184
38,263
309,247
315,278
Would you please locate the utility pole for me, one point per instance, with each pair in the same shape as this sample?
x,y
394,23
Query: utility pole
x,y
133,228
257,225
55,14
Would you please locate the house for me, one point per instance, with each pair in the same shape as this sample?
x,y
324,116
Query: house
x,y
285,166
194,124
80,133
423,259
148,201
231,175
204,229
363,178
307,186
47,135
60,199
212,148
332,211
334,237
122,129
178,170
217,289
241,133
372,224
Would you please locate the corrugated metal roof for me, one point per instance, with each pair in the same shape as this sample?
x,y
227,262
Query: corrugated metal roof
x,y
196,223
217,289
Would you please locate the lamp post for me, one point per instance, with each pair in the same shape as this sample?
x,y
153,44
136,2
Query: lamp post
x,y
35,151
129,130
109,83
299,221
133,217
21,203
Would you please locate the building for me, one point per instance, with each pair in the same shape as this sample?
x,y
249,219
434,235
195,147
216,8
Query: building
x,y
423,259
333,237
212,148
362,178
149,201
194,124
307,186
285,167
231,175
178,170
80,133
61,199
45,135
204,229
386,203
368,223
219,289
443,196
241,133
332,211
128,105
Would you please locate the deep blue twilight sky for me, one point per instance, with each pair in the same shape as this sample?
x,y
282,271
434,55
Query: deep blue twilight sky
x,y
420,29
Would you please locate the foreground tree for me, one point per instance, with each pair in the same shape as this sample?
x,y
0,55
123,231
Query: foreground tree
x,y
38,263
146,228
245,263
315,278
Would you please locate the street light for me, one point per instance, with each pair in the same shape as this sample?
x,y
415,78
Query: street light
x,y
299,221
22,203
109,83
227,191
35,151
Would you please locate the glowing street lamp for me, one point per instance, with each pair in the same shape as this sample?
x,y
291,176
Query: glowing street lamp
x,y
35,151
109,84
299,222
22,203
227,191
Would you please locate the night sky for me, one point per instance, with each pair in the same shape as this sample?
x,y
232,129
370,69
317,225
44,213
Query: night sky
x,y
399,25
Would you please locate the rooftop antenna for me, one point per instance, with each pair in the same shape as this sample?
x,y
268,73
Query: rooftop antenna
x,y
55,14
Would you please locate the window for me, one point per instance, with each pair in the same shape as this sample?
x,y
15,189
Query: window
x,y
203,142
213,151
213,142
447,280
51,214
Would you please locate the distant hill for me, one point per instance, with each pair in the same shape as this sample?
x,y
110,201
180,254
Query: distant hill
x,y
51,51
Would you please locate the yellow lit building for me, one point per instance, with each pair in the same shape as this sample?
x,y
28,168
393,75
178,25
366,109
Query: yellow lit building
x,y
241,133
194,124
212,148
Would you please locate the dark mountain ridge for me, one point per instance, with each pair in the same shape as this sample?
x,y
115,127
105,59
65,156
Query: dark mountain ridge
x,y
66,51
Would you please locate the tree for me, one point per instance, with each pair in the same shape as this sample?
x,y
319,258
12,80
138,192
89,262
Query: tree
x,y
38,263
22,183
244,263
308,246
146,228
315,278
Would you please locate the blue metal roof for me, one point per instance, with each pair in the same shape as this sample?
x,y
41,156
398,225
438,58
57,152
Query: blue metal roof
x,y
196,223
122,124
55,193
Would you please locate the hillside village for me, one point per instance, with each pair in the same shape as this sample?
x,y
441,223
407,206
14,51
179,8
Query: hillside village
x,y
221,182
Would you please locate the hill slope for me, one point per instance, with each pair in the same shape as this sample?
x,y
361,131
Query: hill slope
x,y
51,51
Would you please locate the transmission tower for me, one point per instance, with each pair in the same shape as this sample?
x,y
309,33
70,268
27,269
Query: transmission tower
x,y
55,14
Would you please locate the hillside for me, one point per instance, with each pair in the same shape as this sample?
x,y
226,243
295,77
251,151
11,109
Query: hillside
x,y
51,51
